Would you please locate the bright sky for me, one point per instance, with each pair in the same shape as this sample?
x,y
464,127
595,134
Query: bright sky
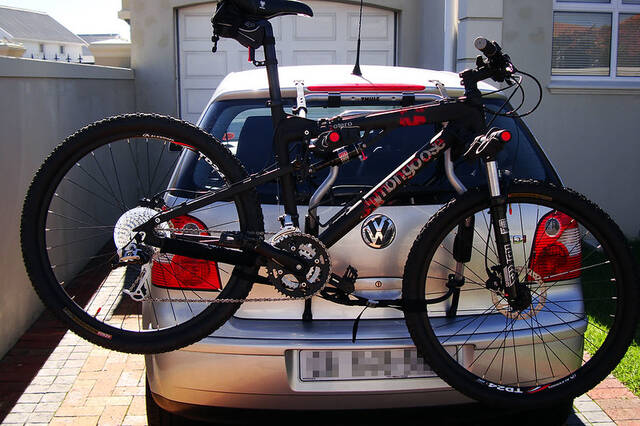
x,y
80,16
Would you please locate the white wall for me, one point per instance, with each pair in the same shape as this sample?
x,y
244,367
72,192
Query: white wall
x,y
50,50
42,103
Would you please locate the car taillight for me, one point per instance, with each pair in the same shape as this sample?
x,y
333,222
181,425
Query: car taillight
x,y
368,87
556,254
185,273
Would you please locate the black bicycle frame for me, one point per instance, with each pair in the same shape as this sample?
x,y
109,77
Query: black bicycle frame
x,y
463,115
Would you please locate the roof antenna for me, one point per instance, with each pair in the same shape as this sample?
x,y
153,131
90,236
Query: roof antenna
x,y
356,68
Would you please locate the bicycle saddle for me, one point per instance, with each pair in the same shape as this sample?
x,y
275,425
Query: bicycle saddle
x,y
267,9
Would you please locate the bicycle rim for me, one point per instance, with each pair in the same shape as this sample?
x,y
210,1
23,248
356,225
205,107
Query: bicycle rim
x,y
570,335
96,192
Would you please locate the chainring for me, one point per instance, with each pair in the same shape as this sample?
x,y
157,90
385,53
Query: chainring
x,y
311,278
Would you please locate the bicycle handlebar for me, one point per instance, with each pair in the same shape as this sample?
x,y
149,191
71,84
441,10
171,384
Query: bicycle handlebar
x,y
488,48
497,66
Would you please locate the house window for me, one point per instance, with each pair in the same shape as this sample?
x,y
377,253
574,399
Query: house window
x,y
62,50
41,48
596,38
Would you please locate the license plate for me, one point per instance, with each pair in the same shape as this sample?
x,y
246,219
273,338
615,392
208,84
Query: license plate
x,y
362,365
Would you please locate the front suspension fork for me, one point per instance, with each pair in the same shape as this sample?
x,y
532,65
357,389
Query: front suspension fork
x,y
498,212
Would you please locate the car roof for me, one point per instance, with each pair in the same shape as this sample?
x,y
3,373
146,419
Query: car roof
x,y
253,84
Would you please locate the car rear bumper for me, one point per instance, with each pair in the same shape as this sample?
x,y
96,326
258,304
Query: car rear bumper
x,y
255,364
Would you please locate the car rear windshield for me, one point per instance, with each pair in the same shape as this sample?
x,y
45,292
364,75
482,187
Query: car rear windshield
x,y
245,127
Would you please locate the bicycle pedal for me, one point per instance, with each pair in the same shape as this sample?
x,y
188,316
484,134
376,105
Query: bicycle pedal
x,y
346,283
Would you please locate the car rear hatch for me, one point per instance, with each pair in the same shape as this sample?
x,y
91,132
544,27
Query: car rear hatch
x,y
245,127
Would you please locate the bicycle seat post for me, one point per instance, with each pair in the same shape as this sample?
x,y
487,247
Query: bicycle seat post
x,y
271,63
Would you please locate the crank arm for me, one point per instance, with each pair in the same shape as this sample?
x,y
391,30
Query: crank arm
x,y
248,253
202,251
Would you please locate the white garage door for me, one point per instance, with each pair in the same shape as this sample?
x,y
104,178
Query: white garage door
x,y
327,38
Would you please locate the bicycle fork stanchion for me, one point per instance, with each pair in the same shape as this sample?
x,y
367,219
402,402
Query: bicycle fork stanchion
x,y
501,231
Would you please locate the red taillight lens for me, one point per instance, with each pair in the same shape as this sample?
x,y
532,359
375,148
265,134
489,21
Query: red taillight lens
x,y
361,87
556,254
185,273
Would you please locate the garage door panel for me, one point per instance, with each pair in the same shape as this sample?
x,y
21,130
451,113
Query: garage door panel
x,y
197,27
196,99
203,64
321,27
314,57
374,27
327,38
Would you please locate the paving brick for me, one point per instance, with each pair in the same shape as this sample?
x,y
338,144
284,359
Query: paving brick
x,y
44,417
129,378
137,407
53,397
134,420
31,397
53,364
49,371
60,421
76,397
113,415
94,363
47,407
66,411
612,392
73,363
623,414
86,421
127,390
596,416
78,355
608,404
69,371
60,387
16,418
43,380
36,389
629,423
583,406
23,408
64,380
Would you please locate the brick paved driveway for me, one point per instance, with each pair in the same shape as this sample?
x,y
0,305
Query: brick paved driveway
x,y
53,377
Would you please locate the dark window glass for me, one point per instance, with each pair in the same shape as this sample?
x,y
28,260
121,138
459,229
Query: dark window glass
x,y
581,43
247,130
628,45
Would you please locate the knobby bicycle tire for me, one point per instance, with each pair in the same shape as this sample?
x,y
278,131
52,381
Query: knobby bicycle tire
x,y
70,233
575,263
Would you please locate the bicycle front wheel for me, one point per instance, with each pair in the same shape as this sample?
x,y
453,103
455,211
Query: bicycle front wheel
x,y
574,264
81,209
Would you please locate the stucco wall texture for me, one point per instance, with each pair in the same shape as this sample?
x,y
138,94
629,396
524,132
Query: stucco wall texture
x,y
41,103
590,135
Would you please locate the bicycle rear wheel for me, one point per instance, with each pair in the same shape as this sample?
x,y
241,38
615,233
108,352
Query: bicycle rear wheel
x,y
574,263
82,206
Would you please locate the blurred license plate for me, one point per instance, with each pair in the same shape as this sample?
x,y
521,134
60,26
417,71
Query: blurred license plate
x,y
362,365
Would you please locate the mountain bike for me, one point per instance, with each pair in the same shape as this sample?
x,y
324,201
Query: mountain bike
x,y
518,318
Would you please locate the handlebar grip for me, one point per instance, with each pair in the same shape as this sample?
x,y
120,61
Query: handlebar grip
x,y
485,46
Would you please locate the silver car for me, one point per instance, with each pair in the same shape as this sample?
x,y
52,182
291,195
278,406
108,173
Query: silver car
x,y
267,357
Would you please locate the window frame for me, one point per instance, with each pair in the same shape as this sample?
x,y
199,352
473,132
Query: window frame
x,y
614,8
